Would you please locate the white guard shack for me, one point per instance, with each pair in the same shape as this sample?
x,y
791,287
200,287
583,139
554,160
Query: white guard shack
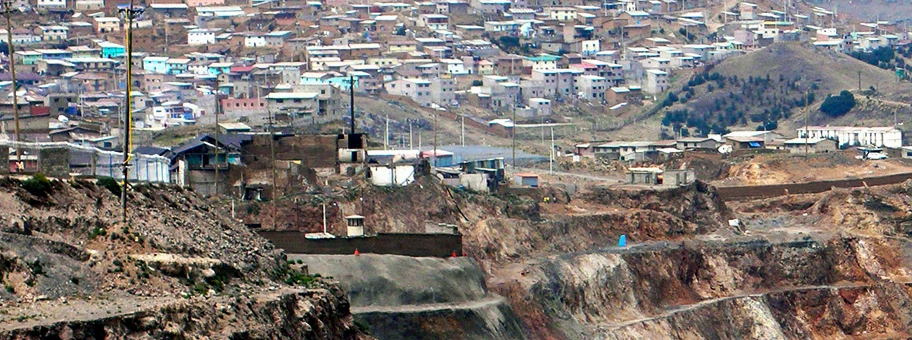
x,y
355,225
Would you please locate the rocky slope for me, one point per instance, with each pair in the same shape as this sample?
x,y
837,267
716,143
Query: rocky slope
x,y
72,268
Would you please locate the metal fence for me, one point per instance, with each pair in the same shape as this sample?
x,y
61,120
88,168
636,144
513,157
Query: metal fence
x,y
59,159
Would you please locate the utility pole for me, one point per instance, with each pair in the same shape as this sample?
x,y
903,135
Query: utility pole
x,y
8,10
218,112
410,134
351,88
807,117
275,186
130,13
463,130
513,135
436,113
387,135
859,81
551,161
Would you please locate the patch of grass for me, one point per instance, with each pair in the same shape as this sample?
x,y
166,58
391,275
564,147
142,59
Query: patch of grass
x,y
38,185
200,289
111,184
300,279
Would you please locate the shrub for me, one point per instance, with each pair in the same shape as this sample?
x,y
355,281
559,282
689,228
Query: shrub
x,y
111,184
97,232
38,185
835,106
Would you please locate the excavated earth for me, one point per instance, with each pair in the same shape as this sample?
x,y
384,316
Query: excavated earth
x,y
72,269
833,265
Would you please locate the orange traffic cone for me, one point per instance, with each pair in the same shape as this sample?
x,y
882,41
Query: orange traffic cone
x,y
454,254
357,253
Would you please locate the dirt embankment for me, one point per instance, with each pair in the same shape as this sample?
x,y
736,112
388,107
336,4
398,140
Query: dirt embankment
x,y
399,297
70,265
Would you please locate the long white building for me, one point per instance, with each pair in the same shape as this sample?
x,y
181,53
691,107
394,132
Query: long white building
x,y
886,136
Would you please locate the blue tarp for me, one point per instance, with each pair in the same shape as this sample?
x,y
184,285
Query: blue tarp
x,y
755,144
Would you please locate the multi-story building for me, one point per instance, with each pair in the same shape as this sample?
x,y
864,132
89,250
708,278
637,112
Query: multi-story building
x,y
200,36
590,87
417,89
52,4
888,136
54,33
106,25
656,81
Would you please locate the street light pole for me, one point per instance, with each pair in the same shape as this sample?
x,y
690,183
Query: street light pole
x,y
8,11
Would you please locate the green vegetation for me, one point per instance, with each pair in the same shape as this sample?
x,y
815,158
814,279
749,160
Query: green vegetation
x,y
881,57
300,279
97,232
37,185
711,102
836,106
111,184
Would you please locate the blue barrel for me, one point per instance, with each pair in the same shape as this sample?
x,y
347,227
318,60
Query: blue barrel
x,y
622,242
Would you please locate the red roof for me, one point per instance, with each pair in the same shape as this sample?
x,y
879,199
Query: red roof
x,y
241,69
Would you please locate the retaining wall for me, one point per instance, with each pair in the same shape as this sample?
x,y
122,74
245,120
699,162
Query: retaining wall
x,y
424,245
765,191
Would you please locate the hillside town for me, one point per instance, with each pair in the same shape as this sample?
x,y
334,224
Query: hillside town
x,y
455,169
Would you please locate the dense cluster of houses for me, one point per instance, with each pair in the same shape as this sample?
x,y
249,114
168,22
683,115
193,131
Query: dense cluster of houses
x,y
294,57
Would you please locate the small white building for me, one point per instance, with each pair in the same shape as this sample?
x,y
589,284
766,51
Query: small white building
x,y
656,81
200,36
887,136
253,40
542,106
49,4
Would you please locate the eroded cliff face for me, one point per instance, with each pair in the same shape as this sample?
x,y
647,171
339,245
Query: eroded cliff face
x,y
835,267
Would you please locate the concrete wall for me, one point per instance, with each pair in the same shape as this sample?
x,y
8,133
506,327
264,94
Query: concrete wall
x,y
762,191
54,162
400,175
4,160
427,245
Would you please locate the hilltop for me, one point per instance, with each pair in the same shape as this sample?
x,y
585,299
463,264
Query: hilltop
x,y
770,88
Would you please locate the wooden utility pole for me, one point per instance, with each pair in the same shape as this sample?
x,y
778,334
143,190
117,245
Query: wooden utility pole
x,y
436,113
807,117
130,14
8,10
218,112
513,135
275,175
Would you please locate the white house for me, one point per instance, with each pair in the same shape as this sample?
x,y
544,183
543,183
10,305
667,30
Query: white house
x,y
254,39
200,36
54,32
886,136
656,81
454,66
48,4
